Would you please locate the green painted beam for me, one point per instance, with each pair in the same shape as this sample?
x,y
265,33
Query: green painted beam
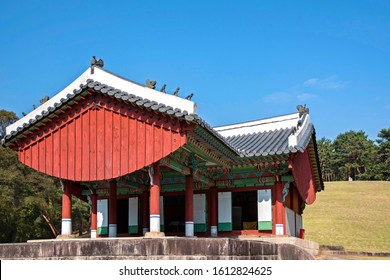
x,y
170,163
204,179
287,178
172,188
197,151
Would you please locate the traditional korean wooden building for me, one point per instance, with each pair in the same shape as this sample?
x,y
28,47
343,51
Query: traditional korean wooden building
x,y
148,164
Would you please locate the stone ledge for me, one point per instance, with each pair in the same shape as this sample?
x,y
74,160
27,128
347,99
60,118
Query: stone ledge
x,y
177,248
311,246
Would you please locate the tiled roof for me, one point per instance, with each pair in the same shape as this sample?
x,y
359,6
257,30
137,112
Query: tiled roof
x,y
109,84
26,122
135,100
273,136
279,135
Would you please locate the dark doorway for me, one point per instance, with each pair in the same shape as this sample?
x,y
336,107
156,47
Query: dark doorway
x,y
122,215
244,210
174,214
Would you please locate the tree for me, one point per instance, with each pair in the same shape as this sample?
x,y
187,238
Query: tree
x,y
6,118
30,201
326,155
383,165
354,153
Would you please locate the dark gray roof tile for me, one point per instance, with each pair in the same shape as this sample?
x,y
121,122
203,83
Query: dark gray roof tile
x,y
189,118
156,106
165,109
261,143
149,104
134,99
140,102
125,97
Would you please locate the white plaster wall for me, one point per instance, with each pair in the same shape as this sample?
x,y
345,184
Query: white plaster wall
x,y
264,205
102,213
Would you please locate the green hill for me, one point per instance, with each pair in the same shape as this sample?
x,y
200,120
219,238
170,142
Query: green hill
x,y
355,215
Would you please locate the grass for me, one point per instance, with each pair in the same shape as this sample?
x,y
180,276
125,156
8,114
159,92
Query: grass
x,y
355,215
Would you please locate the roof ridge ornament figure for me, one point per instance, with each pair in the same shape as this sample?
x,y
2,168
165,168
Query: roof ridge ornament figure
x,y
163,88
176,93
188,97
44,100
302,110
96,62
151,84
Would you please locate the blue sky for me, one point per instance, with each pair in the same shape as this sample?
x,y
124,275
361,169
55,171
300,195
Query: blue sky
x,y
243,60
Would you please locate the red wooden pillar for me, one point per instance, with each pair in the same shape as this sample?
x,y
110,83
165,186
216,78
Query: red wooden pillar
x,y
66,226
93,215
189,206
278,210
145,212
112,225
213,196
154,205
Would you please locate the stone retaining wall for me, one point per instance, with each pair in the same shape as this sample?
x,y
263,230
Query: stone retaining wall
x,y
153,249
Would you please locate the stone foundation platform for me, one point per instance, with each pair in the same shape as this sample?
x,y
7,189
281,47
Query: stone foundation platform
x,y
166,248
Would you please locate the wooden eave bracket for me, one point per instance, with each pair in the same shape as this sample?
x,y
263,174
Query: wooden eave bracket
x,y
184,170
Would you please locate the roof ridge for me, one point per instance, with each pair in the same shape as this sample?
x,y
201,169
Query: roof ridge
x,y
263,119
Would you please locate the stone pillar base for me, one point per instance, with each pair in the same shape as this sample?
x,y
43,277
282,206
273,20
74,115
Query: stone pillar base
x,y
154,234
112,230
66,227
66,236
155,223
214,231
189,229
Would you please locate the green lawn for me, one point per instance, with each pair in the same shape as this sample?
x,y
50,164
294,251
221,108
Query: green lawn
x,y
355,215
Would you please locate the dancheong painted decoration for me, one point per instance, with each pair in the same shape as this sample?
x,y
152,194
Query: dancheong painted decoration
x,y
150,165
